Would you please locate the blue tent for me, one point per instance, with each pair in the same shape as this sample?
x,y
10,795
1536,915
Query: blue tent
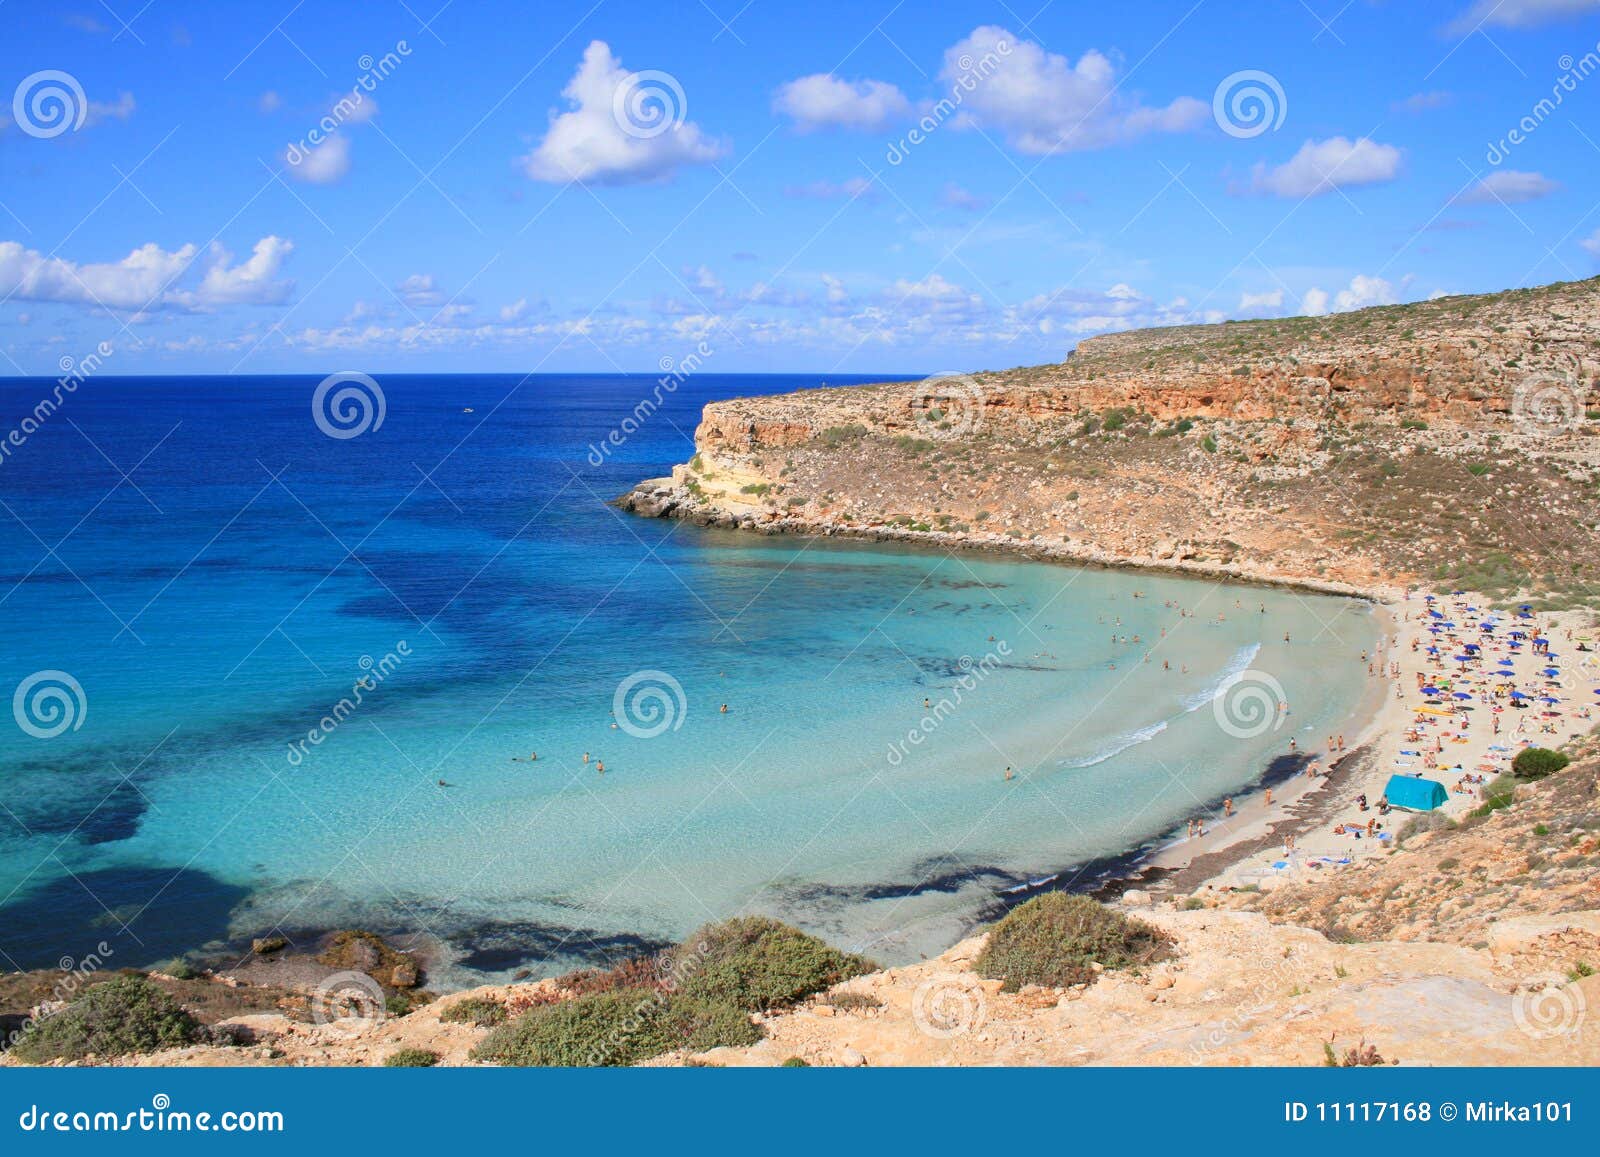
x,y
1420,795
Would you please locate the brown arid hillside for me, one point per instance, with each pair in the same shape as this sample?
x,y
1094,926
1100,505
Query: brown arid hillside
x,y
1452,441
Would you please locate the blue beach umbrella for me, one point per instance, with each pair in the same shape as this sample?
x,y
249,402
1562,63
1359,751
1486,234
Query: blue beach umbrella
x,y
1461,695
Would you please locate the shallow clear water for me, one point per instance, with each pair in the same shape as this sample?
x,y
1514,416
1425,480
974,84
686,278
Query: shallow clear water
x,y
218,603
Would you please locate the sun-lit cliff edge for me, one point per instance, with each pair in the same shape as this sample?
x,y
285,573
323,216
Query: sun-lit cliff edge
x,y
1448,440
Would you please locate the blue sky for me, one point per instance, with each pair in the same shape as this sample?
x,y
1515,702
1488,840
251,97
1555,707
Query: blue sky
x,y
856,187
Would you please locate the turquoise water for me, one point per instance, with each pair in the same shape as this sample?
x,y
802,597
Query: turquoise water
x,y
217,604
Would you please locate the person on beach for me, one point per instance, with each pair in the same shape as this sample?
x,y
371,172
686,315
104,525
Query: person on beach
x,y
586,757
1269,797
1227,806
600,766
1008,775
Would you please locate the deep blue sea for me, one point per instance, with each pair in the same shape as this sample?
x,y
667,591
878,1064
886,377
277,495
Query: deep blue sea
x,y
194,576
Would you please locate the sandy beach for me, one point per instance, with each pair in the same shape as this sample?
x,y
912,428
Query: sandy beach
x,y
1462,734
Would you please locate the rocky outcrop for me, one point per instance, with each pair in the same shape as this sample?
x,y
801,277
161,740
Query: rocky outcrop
x,y
1443,440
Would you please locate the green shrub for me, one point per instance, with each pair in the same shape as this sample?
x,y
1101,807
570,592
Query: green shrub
x,y
1537,762
130,1014
615,1028
411,1059
1498,795
757,963
1208,444
795,1063
478,1010
1052,939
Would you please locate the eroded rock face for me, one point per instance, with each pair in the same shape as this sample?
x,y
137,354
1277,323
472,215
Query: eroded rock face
x,y
1360,450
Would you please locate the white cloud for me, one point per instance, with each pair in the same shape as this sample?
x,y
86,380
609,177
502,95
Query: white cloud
x,y
1509,186
1421,102
1518,13
324,164
1043,102
1591,243
1259,301
1322,166
269,102
590,143
251,282
419,291
1362,292
956,197
121,109
148,278
515,310
824,101
135,282
829,190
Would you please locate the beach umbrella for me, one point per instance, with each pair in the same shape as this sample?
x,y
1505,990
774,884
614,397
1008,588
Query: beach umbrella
x,y
1548,699
1435,691
1518,695
1507,663
1538,639
1461,695
1552,671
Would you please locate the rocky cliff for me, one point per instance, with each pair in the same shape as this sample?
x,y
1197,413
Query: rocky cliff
x,y
1447,440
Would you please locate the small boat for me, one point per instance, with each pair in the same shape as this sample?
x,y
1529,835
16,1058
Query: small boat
x,y
468,410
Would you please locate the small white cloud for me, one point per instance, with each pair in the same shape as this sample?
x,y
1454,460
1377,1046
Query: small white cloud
x,y
623,128
1591,243
824,101
1269,300
120,110
852,187
1362,292
1421,102
419,291
251,282
269,102
1044,103
515,310
324,164
1509,187
956,197
1322,166
1518,13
